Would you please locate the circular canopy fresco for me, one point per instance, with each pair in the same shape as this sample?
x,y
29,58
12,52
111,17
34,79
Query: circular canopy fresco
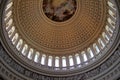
x,y
59,10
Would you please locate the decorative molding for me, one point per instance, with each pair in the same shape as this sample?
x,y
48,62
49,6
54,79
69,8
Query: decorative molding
x,y
93,62
8,61
108,69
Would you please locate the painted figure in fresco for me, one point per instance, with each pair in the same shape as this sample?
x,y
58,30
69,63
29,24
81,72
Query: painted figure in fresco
x,y
59,10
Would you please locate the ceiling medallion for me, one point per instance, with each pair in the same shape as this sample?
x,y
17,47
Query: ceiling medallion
x,y
59,10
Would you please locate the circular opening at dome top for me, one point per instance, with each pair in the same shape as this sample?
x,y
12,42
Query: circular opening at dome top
x,y
59,10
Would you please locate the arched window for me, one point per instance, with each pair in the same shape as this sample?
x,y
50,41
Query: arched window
x,y
57,62
64,61
9,23
43,59
84,56
111,22
71,61
30,54
36,58
97,50
8,15
109,30
91,55
50,61
106,38
112,14
111,5
15,38
11,31
19,44
77,58
24,50
8,6
102,45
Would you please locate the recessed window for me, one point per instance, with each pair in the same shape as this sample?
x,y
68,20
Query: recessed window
x,y
30,54
97,50
50,61
106,38
11,31
64,62
77,58
111,5
24,50
102,45
8,15
9,5
43,59
109,30
112,14
9,23
19,44
84,56
71,61
91,55
111,22
15,37
56,61
37,55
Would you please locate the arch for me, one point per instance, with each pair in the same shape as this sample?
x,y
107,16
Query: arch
x,y
71,62
15,38
112,13
111,22
64,64
105,36
109,30
11,31
43,59
77,58
95,47
90,52
19,44
30,54
84,56
102,45
9,23
9,5
8,14
111,5
50,59
36,58
24,50
57,62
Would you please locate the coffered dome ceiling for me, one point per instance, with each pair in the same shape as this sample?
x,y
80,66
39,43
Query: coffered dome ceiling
x,y
60,26
60,35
